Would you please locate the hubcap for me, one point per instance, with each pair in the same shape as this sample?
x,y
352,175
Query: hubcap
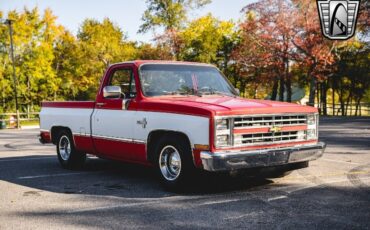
x,y
64,148
170,162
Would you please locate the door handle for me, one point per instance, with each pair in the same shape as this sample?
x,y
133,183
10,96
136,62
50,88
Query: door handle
x,y
100,103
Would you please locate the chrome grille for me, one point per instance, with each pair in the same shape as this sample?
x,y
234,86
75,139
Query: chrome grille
x,y
269,137
268,121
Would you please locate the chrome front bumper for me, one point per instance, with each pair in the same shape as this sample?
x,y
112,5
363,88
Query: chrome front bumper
x,y
226,161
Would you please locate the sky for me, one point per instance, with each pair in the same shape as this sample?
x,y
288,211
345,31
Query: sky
x,y
125,13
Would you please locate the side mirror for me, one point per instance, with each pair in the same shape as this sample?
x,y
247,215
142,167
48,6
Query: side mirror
x,y
237,91
112,92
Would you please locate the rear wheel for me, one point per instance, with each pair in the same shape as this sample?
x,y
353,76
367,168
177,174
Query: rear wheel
x,y
68,156
174,162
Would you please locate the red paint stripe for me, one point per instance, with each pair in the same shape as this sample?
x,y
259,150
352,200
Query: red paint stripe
x,y
266,130
113,149
251,130
84,144
196,158
121,150
294,128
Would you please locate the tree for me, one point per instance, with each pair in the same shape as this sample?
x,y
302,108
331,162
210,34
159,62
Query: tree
x,y
251,56
169,14
67,65
351,78
203,39
34,38
147,51
316,51
266,36
100,44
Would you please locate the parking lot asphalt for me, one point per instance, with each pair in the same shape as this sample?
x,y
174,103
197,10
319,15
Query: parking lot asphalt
x,y
332,193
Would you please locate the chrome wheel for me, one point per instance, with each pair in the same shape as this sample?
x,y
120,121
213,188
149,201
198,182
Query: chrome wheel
x,y
64,148
170,162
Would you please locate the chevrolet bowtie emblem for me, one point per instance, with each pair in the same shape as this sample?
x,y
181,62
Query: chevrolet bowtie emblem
x,y
275,129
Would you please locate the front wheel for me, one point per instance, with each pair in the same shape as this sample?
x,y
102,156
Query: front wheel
x,y
68,156
174,162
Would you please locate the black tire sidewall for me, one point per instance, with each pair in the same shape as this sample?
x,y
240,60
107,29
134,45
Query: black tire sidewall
x,y
75,159
187,166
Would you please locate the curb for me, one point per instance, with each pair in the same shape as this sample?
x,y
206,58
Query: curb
x,y
30,127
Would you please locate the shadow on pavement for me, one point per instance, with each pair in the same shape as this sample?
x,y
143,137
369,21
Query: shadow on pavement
x,y
346,132
110,178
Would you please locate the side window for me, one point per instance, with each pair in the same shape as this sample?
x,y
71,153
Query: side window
x,y
124,78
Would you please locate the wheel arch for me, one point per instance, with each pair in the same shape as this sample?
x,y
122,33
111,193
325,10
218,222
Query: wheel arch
x,y
154,137
55,130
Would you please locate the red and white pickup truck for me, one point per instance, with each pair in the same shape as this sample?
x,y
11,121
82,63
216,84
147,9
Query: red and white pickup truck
x,y
177,117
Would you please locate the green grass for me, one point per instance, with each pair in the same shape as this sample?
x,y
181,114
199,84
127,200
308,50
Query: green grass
x,y
30,123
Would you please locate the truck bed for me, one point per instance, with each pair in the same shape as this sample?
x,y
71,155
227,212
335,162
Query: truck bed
x,y
75,115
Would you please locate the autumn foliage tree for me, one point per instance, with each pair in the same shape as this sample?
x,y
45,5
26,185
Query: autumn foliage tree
x,y
315,51
284,34
268,32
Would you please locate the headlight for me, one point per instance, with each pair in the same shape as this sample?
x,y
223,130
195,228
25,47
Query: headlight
x,y
311,134
311,119
312,122
222,140
222,124
222,132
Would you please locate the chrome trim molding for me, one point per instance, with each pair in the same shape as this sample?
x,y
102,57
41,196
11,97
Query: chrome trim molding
x,y
227,161
81,134
136,141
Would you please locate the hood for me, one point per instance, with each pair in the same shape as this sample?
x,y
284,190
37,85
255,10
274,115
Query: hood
x,y
225,105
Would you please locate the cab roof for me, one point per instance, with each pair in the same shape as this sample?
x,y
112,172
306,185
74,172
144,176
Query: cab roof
x,y
138,63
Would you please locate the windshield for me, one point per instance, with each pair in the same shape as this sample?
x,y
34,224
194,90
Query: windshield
x,y
172,79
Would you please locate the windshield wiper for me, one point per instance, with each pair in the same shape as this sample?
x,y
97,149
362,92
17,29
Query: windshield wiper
x,y
211,91
177,93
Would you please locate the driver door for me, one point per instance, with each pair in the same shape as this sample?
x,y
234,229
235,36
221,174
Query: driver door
x,y
112,124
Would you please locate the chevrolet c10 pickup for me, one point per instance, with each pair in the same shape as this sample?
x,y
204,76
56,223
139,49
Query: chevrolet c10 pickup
x,y
180,117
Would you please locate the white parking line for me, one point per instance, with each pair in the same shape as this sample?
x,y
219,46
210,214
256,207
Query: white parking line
x,y
244,215
276,198
348,162
219,202
51,175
